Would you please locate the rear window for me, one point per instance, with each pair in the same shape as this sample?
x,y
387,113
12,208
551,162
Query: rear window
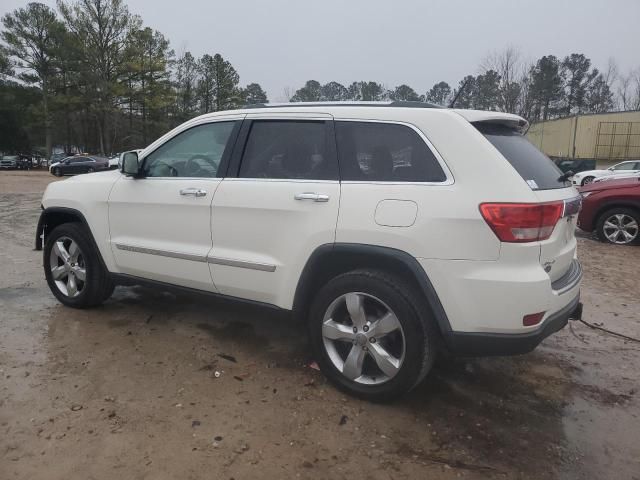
x,y
372,151
534,167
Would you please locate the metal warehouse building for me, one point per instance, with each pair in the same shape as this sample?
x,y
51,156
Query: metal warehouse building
x,y
607,138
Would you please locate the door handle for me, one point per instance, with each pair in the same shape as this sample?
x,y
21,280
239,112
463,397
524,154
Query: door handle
x,y
195,192
316,197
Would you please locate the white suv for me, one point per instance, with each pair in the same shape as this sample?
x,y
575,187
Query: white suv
x,y
393,231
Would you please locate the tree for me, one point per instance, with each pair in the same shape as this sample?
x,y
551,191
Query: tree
x,y
575,69
487,94
405,93
102,28
311,92
6,69
439,94
465,93
31,35
366,91
599,97
507,64
334,92
218,86
546,88
185,83
253,93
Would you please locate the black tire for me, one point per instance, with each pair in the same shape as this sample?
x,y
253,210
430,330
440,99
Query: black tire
x,y
628,212
98,285
90,170
56,172
587,180
420,345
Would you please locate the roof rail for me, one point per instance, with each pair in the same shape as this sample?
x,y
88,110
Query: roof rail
x,y
394,103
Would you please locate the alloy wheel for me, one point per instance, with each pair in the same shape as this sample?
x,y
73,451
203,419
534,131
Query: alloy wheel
x,y
620,228
363,338
67,265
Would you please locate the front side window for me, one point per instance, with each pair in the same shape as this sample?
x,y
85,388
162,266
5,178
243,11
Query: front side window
x,y
194,153
371,151
287,149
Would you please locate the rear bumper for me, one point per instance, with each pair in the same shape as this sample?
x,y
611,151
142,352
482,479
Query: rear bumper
x,y
490,344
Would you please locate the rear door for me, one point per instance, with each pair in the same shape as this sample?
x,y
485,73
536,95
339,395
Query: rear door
x,y
278,204
544,178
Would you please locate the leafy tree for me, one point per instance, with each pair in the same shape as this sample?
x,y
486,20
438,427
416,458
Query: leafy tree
x,y
31,36
148,54
439,93
253,93
599,97
311,92
185,84
465,92
102,28
334,92
218,86
366,91
546,87
405,93
487,95
575,69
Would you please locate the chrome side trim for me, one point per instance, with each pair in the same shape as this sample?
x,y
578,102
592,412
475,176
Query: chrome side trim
x,y
162,253
569,280
263,267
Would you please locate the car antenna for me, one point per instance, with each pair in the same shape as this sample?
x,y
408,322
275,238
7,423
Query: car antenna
x,y
455,97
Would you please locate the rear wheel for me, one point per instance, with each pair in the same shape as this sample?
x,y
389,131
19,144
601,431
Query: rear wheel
x,y
587,180
73,268
371,335
620,226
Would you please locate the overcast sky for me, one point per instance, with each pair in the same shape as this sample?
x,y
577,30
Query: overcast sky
x,y
283,43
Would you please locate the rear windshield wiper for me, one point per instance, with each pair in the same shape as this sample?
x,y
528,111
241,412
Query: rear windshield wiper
x,y
565,176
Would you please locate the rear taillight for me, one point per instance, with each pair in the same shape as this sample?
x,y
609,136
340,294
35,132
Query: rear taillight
x,y
522,222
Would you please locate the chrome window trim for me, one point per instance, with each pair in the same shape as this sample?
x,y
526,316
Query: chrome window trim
x,y
449,180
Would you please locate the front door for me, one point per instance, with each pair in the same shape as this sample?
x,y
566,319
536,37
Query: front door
x,y
278,204
160,224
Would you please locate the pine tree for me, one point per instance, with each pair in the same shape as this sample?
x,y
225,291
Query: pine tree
x,y
253,93
439,94
311,92
405,93
334,92
546,88
575,68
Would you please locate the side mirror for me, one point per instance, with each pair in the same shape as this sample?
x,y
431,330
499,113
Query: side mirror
x,y
130,164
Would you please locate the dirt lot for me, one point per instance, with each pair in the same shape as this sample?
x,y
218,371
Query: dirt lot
x,y
129,390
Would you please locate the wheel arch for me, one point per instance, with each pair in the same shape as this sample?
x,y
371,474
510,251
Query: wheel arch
x,y
330,260
51,217
610,205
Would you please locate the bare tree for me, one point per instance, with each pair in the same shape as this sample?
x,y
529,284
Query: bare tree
x,y
623,91
507,63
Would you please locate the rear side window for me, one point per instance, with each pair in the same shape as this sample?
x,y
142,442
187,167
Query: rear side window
x,y
534,167
372,151
288,149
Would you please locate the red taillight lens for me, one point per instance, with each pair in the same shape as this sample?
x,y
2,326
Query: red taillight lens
x,y
522,222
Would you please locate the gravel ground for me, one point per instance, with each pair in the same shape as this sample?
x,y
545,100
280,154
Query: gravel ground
x,y
130,389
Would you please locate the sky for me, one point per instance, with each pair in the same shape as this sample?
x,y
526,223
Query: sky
x,y
282,43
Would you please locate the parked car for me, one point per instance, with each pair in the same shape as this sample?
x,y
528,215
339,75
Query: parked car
x,y
588,176
79,164
617,176
612,210
393,232
9,162
575,165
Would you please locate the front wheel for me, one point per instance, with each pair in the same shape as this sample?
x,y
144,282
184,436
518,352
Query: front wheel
x,y
90,170
57,172
619,226
371,335
72,267
587,180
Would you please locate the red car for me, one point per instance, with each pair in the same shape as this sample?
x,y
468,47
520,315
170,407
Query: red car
x,y
612,209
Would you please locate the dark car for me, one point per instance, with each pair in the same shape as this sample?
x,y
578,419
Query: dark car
x,y
612,210
79,164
